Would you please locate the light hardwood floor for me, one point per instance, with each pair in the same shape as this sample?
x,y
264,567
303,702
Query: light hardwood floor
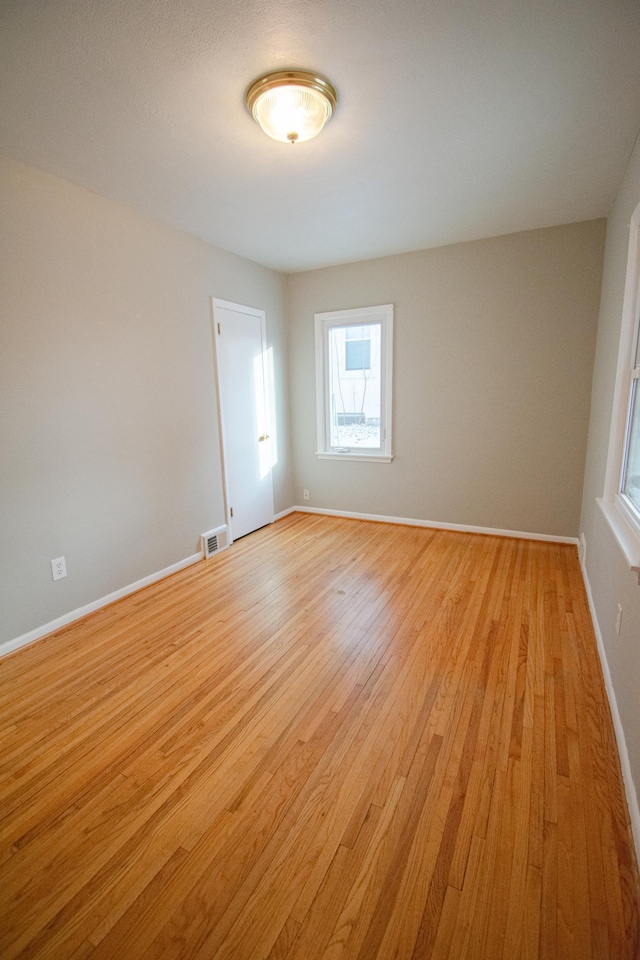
x,y
337,739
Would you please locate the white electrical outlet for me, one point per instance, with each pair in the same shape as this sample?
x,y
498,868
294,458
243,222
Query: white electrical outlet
x,y
59,568
619,619
305,494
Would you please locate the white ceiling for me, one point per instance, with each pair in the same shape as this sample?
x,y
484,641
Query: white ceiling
x,y
456,120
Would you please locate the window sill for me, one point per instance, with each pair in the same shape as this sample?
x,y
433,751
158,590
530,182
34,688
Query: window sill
x,y
628,538
369,457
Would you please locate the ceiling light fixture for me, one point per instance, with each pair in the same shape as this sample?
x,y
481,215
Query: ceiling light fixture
x,y
291,105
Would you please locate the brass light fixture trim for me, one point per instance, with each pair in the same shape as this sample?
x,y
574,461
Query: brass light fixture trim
x,y
291,105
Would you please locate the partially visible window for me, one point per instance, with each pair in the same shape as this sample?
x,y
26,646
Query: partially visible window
x,y
353,382
621,501
630,485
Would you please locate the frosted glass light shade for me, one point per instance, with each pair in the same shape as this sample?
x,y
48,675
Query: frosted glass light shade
x,y
291,105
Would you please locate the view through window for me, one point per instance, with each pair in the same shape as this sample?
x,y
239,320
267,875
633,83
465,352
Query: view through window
x,y
631,469
355,385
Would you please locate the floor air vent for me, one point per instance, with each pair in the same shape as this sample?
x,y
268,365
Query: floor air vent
x,y
214,541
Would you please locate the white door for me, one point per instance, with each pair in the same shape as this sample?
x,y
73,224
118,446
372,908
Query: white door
x,y
247,444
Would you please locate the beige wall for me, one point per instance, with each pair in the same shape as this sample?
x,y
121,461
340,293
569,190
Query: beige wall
x,y
493,356
109,451
611,580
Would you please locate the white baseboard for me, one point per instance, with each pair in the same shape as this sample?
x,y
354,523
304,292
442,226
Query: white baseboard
x,y
285,513
9,645
625,763
435,524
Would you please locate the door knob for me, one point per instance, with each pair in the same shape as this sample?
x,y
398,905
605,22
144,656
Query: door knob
x,y
265,436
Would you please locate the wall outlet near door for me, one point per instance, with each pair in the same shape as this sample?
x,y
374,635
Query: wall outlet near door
x,y
305,495
59,568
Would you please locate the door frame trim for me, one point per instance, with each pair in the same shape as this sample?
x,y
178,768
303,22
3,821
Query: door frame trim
x,y
216,304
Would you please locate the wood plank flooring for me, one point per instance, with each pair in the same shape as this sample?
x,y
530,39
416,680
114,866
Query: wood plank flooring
x,y
337,740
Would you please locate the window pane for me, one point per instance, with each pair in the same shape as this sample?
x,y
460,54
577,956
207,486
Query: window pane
x,y
631,481
355,386
358,354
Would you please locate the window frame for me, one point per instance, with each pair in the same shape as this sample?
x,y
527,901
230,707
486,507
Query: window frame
x,y
359,316
619,511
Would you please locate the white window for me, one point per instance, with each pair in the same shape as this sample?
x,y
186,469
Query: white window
x,y
353,383
621,501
